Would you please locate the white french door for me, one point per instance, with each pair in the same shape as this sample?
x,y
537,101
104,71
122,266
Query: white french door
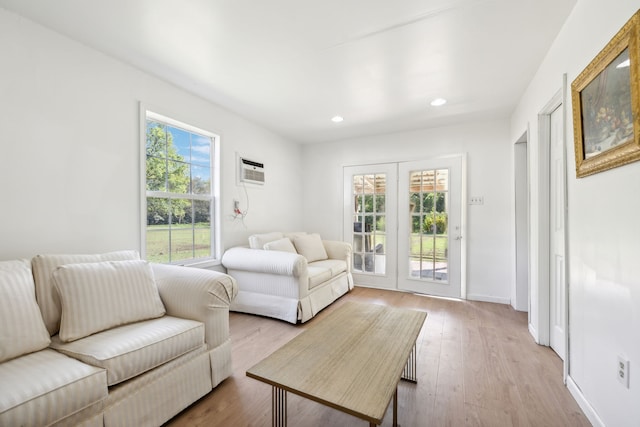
x,y
405,224
370,222
430,226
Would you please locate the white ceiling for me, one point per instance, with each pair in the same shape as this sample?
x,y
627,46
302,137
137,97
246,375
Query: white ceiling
x,y
291,65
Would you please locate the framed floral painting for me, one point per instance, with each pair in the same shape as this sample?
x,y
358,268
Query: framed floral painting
x,y
606,105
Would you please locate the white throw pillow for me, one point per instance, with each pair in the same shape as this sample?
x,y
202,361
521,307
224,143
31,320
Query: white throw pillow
x,y
283,245
310,247
257,241
43,267
102,295
22,329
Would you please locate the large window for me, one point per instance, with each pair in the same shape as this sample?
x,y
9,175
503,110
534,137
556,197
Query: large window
x,y
181,178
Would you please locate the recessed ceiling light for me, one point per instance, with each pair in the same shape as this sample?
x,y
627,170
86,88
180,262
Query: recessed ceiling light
x,y
337,119
438,102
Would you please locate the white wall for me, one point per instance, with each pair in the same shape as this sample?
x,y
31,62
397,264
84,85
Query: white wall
x,y
490,228
69,149
604,231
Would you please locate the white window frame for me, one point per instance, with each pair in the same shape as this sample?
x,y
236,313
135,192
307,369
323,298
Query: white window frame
x,y
215,224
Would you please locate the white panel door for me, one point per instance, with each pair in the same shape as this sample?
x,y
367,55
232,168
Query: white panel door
x,y
556,239
370,222
430,226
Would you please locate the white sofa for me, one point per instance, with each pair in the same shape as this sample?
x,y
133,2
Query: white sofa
x,y
289,276
109,340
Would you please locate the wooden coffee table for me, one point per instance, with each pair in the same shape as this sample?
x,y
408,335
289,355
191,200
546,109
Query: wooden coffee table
x,y
352,361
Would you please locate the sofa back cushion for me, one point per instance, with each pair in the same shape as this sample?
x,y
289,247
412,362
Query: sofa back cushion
x,y
311,247
283,245
257,241
99,296
293,234
43,267
22,329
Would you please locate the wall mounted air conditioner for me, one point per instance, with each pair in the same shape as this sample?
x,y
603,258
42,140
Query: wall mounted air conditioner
x,y
250,172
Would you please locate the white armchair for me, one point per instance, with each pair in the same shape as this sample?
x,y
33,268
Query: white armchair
x,y
289,276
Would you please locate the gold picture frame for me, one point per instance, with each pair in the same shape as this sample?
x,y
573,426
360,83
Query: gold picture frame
x,y
606,105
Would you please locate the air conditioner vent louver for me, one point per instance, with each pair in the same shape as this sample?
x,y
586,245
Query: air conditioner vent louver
x,y
251,172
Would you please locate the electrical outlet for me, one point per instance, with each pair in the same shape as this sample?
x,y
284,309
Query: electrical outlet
x,y
476,200
623,371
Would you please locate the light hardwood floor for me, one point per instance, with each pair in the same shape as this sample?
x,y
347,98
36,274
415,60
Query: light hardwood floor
x,y
477,366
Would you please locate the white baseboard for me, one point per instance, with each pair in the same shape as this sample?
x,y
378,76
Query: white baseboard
x,y
360,285
486,298
534,333
471,297
586,407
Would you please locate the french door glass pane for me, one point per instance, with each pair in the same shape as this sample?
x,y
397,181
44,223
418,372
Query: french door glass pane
x,y
428,204
380,203
427,181
369,224
416,224
380,242
415,267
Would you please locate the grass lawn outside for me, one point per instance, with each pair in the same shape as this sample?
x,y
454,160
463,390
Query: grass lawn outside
x,y
425,247
429,246
178,242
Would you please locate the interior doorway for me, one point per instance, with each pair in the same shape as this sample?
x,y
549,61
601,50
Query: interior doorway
x,y
520,291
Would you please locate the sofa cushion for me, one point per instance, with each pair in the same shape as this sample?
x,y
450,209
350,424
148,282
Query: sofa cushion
x,y
310,246
46,386
283,245
336,266
318,275
22,329
102,295
293,234
257,241
43,267
130,350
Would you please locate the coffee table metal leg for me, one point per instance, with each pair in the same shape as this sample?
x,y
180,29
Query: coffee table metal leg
x,y
410,369
395,408
278,407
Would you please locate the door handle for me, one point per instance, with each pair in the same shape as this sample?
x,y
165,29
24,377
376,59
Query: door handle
x,y
458,237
